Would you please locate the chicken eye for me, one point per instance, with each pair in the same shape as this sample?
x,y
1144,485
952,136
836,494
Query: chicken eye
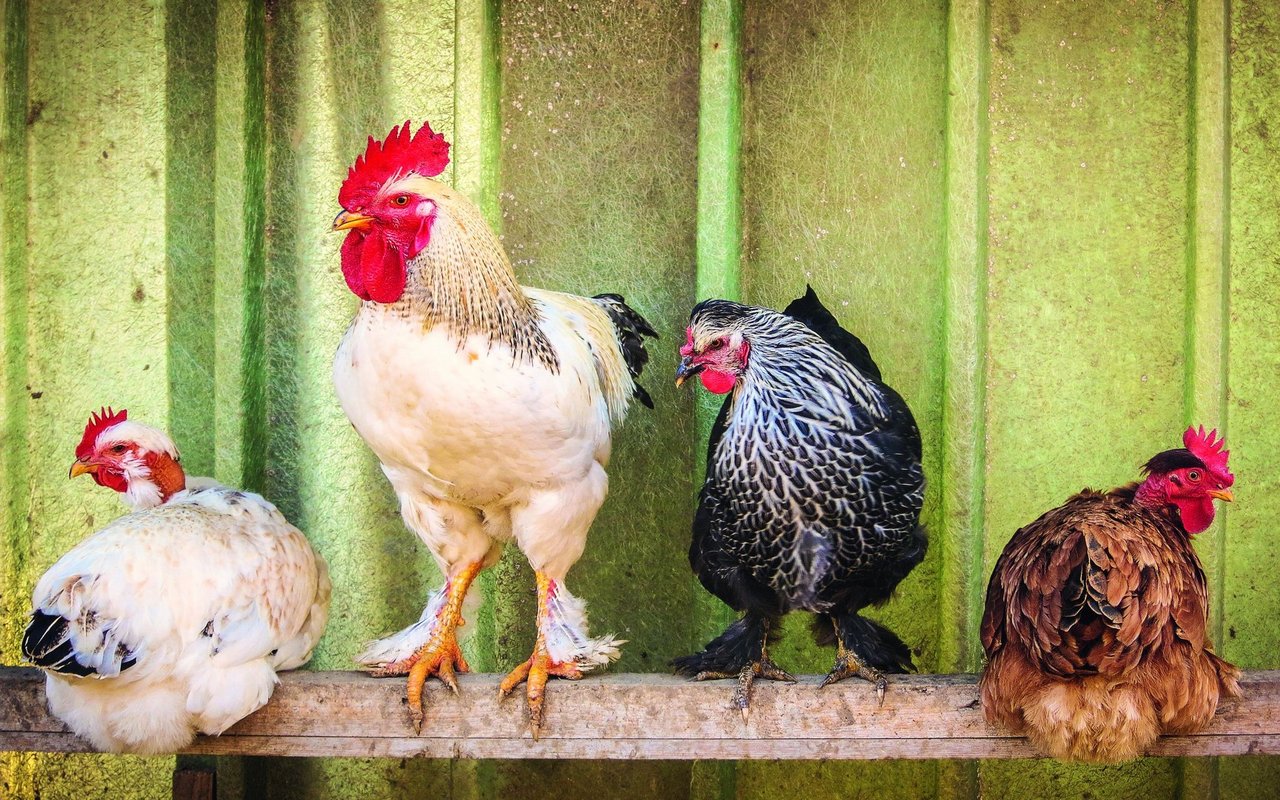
x,y
718,344
401,200
1193,475
118,449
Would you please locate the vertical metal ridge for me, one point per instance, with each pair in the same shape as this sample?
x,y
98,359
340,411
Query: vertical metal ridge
x,y
719,248
1208,265
253,354
1208,268
477,109
189,184
718,267
14,470
718,271
965,335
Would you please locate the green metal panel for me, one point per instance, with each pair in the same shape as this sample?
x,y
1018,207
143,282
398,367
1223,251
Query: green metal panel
x,y
1055,224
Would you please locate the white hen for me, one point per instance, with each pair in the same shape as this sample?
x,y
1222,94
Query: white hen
x,y
174,619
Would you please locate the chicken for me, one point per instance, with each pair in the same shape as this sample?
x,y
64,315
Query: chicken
x,y
813,491
489,404
1094,628
174,619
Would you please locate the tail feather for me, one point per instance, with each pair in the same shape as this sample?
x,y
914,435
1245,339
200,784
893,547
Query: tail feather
x,y
631,331
739,645
50,643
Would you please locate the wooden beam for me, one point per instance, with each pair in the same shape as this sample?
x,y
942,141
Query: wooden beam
x,y
634,717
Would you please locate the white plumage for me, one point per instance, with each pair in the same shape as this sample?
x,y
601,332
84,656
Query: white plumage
x,y
489,404
174,619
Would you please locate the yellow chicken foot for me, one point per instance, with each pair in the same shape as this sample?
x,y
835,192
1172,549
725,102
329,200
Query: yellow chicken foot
x,y
440,656
764,668
848,665
540,666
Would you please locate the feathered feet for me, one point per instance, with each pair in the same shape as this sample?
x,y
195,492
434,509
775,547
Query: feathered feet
x,y
867,650
440,655
740,652
562,649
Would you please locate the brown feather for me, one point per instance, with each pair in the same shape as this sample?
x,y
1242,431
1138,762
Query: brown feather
x,y
1095,631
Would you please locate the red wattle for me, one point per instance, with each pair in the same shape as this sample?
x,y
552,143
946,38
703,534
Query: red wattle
x,y
1196,513
374,270
717,382
111,480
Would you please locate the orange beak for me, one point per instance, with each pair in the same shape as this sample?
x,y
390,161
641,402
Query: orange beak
x,y
348,220
81,468
1222,494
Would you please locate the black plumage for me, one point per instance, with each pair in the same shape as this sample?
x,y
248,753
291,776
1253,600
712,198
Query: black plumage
x,y
47,643
813,492
631,329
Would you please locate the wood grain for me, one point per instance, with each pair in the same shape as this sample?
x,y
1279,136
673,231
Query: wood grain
x,y
633,716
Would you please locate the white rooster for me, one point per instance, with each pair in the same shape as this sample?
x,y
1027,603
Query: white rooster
x,y
489,405
174,619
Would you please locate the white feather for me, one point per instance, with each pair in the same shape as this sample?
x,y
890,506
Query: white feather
x,y
209,593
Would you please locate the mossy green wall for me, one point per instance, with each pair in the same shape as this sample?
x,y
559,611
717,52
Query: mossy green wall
x,y
1055,224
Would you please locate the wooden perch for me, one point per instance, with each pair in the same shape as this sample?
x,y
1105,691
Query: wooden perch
x,y
634,717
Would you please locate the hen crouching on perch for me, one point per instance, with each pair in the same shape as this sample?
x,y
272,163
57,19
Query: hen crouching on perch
x,y
489,404
172,620
1096,615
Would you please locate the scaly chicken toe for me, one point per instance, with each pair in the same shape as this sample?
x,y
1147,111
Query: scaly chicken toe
x,y
534,674
440,656
848,665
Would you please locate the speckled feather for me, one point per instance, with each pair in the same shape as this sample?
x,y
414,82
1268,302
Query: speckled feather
x,y
814,483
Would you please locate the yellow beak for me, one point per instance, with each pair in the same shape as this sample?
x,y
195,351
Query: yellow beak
x,y
1222,494
346,220
81,468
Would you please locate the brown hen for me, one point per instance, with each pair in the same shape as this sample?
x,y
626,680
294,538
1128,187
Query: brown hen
x,y
1095,622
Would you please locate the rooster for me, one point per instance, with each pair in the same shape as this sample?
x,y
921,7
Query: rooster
x,y
489,404
813,491
174,619
1095,621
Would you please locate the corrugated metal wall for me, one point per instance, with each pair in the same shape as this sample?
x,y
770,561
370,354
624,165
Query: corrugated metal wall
x,y
1055,223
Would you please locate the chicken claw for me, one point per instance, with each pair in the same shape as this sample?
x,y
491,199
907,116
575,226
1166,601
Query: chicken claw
x,y
764,668
534,673
848,665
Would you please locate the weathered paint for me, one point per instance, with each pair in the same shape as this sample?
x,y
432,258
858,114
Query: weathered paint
x,y
1055,224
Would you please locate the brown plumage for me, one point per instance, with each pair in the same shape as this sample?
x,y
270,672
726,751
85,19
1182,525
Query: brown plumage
x,y
1095,624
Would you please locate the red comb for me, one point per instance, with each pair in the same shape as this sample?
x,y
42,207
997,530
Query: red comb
x,y
1208,448
402,152
98,422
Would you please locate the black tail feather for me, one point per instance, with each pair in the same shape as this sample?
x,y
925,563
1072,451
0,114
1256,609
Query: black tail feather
x,y
809,310
632,329
739,645
875,645
47,644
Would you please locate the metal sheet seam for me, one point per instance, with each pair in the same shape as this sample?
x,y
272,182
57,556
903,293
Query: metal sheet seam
x,y
965,328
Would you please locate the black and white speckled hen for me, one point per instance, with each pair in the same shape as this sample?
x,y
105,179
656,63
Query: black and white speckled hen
x,y
813,490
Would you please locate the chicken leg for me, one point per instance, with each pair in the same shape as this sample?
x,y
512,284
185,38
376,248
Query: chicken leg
x,y
440,656
541,665
763,667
